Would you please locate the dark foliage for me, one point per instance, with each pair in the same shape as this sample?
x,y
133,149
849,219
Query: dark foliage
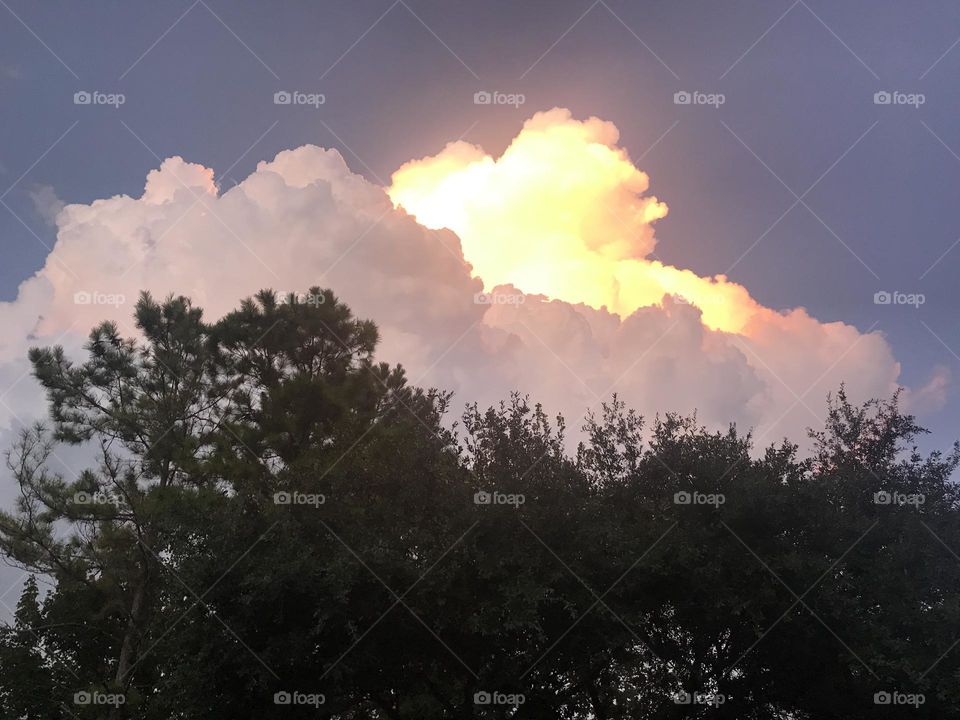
x,y
275,516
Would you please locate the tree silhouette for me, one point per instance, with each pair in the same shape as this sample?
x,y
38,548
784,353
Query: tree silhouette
x,y
279,526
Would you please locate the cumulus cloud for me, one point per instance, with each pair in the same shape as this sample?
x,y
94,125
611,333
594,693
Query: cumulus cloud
x,y
302,219
565,306
554,214
563,212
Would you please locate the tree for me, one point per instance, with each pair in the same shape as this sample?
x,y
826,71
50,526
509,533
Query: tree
x,y
27,691
276,516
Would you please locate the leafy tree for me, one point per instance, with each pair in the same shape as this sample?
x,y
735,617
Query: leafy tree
x,y
274,515
27,691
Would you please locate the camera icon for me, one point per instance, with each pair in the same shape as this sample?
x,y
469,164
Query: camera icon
x,y
282,498
682,498
482,498
282,698
882,498
82,498
882,98
482,97
882,298
82,98
282,97
882,698
82,698
482,299
482,698
682,98
82,298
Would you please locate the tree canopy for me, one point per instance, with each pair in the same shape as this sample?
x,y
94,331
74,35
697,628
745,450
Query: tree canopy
x,y
278,526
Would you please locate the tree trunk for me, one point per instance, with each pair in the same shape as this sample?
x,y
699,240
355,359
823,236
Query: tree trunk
x,y
131,637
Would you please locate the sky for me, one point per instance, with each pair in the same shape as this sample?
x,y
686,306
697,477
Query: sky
x,y
787,173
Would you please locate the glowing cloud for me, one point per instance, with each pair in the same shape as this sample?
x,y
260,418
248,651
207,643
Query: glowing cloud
x,y
563,213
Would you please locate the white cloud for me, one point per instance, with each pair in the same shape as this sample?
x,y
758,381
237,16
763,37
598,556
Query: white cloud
x,y
305,219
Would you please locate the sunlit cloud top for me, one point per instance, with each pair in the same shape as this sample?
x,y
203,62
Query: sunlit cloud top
x,y
563,212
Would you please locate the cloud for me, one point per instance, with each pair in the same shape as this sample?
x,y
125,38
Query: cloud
x,y
552,215
663,338
564,212
46,204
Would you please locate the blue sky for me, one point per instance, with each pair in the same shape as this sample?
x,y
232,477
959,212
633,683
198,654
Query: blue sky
x,y
799,187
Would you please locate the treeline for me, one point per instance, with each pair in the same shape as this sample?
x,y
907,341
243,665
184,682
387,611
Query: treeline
x,y
277,526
